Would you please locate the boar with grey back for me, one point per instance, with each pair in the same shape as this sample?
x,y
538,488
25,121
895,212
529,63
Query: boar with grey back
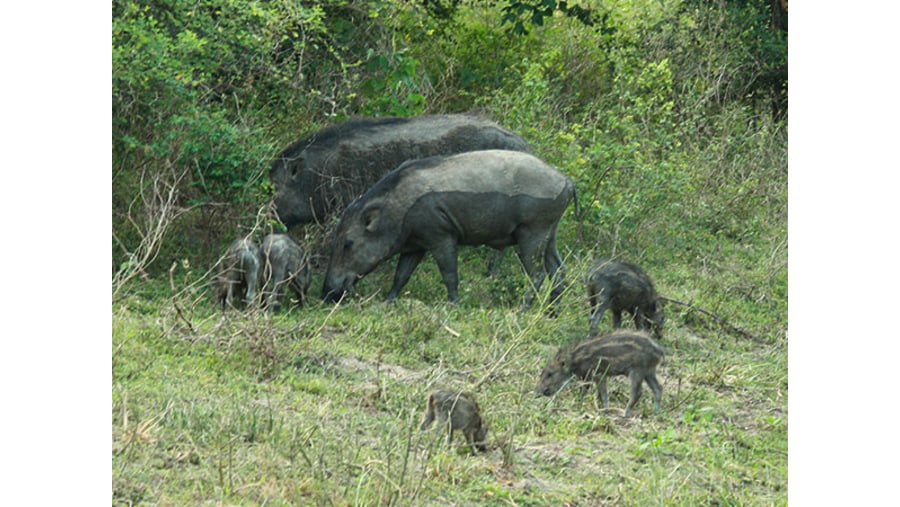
x,y
456,411
238,275
283,266
496,198
623,287
317,177
631,353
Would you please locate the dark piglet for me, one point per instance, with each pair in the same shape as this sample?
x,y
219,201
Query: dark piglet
x,y
238,275
462,412
283,266
631,353
623,287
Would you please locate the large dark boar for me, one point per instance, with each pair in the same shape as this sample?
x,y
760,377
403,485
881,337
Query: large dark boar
x,y
318,176
631,353
283,265
624,287
238,274
458,411
495,198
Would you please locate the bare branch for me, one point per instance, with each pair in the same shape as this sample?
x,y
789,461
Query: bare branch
x,y
719,320
151,213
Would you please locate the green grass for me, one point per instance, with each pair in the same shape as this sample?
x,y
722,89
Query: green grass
x,y
320,405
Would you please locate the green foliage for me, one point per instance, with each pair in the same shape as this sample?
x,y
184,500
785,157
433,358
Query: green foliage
x,y
395,88
182,73
521,14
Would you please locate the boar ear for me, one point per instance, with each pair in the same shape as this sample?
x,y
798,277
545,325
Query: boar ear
x,y
371,218
297,166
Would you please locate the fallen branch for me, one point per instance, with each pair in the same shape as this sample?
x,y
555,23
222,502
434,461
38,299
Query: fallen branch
x,y
720,320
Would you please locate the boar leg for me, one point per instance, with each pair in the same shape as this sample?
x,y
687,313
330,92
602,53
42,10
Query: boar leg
x,y
617,319
640,322
600,303
445,257
235,284
470,438
449,434
279,272
553,265
229,294
252,276
299,289
405,266
637,378
592,301
231,277
655,387
528,247
266,283
601,390
429,418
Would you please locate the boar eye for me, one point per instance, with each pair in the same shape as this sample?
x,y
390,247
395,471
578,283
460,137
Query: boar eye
x,y
348,245
297,165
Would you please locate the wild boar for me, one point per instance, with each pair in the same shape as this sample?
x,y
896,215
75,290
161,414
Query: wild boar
x,y
316,177
462,412
283,265
621,286
238,274
631,353
496,198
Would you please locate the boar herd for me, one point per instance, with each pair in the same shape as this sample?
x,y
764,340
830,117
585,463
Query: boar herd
x,y
410,186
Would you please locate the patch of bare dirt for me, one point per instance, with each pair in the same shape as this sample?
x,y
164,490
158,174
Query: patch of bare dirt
x,y
379,369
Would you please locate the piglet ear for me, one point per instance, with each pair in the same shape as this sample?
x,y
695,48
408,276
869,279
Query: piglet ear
x,y
372,217
562,360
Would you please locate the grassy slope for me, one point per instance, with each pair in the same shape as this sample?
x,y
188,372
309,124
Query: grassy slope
x,y
320,406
